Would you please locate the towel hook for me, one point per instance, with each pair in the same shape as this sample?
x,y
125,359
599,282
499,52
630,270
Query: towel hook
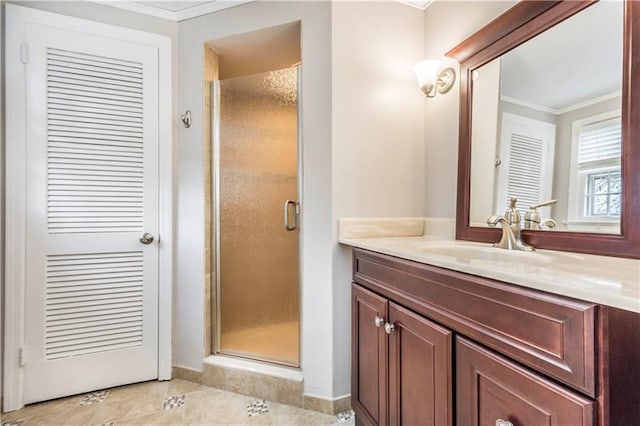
x,y
186,119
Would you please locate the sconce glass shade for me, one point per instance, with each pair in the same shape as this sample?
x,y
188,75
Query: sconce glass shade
x,y
426,72
431,80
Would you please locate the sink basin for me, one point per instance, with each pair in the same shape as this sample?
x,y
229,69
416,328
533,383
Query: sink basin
x,y
473,253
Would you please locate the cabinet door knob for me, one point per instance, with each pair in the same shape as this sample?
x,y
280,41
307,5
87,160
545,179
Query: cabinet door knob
x,y
378,321
390,327
501,422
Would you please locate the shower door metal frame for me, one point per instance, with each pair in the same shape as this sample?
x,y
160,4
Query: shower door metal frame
x,y
215,187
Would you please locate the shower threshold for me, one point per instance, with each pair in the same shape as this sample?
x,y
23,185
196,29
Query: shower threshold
x,y
259,367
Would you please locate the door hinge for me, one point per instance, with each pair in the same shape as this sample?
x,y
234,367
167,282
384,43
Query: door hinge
x,y
22,356
24,53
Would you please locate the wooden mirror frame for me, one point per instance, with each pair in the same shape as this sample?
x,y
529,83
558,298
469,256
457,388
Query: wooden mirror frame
x,y
517,25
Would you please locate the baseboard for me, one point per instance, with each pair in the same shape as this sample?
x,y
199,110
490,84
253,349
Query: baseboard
x,y
327,406
186,373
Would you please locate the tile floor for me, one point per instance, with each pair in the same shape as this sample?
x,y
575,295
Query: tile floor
x,y
177,402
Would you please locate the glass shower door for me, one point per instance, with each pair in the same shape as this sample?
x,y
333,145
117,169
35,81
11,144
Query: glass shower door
x,y
256,138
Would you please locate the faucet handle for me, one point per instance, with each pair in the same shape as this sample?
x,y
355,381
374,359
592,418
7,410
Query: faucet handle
x,y
545,204
512,214
532,217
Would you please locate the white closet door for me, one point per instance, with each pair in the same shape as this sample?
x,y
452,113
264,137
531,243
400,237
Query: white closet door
x,y
92,150
526,154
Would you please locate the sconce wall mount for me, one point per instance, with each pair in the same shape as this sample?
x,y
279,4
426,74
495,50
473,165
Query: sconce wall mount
x,y
432,80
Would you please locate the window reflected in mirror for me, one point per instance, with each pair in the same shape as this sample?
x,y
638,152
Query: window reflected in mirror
x,y
546,125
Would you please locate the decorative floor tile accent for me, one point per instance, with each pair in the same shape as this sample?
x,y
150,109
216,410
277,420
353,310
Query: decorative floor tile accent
x,y
345,416
94,397
13,423
257,407
170,402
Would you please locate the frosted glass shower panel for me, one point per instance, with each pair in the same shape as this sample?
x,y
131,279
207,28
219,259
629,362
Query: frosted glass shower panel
x,y
258,172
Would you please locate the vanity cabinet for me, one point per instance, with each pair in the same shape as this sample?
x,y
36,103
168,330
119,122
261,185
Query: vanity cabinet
x,y
433,346
402,364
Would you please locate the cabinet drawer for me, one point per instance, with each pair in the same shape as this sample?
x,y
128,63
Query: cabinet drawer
x,y
490,388
552,334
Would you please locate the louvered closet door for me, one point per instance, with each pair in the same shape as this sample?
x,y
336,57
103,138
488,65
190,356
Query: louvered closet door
x,y
92,286
526,158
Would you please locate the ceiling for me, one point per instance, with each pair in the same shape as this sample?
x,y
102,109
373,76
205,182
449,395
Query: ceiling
x,y
182,10
577,61
259,51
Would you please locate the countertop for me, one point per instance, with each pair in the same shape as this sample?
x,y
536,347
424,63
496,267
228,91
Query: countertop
x,y
605,280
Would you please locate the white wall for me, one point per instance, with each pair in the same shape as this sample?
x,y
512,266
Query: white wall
x,y
378,109
484,126
378,134
317,226
447,23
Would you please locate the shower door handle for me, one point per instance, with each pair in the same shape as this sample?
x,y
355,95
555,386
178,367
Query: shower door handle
x,y
288,225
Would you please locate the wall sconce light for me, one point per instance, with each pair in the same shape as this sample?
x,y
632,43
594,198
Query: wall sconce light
x,y
431,80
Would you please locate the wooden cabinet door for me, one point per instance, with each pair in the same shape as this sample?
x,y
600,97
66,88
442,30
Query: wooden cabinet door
x,y
420,388
369,348
489,387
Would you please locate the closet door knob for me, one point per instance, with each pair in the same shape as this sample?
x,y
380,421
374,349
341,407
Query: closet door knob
x,y
390,327
146,238
501,422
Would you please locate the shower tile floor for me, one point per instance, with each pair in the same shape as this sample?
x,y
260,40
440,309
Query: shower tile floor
x,y
176,402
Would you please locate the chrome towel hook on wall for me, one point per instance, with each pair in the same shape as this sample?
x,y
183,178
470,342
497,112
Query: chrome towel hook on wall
x,y
186,119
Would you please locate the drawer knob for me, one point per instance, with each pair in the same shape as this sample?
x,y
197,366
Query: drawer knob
x,y
378,321
389,328
501,422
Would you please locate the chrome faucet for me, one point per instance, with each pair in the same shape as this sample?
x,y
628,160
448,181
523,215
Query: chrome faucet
x,y
511,236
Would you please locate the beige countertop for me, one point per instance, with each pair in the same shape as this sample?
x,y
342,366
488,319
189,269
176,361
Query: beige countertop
x,y
600,279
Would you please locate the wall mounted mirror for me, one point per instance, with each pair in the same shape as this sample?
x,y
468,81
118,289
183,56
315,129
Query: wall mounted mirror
x,y
546,100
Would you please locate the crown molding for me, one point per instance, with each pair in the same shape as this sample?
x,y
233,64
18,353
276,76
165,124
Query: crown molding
x,y
528,104
181,15
590,102
417,4
138,8
206,8
558,111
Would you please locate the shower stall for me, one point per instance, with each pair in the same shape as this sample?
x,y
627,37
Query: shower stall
x,y
256,186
